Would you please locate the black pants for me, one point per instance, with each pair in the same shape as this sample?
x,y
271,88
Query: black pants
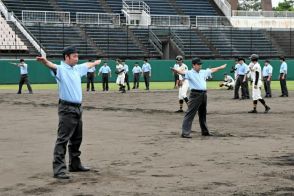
x,y
136,80
90,80
70,130
244,87
127,80
24,80
283,83
197,102
146,79
176,78
105,81
267,86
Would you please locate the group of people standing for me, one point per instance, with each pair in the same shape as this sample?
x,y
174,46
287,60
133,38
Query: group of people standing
x,y
122,71
242,75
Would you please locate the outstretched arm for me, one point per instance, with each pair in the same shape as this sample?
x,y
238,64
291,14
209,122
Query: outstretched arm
x,y
93,64
215,69
45,62
178,71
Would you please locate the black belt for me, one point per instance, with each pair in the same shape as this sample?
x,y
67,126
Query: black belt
x,y
265,76
69,103
198,91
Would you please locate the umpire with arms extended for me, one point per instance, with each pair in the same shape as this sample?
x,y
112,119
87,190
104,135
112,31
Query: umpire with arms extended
x,y
68,76
198,97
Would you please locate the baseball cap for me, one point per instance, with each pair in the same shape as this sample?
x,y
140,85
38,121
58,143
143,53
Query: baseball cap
x,y
21,60
196,61
254,57
179,58
241,58
69,50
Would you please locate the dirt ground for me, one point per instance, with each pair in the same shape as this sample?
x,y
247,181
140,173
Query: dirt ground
x,y
131,141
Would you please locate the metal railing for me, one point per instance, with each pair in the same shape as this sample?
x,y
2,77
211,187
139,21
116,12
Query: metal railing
x,y
170,20
135,6
211,21
274,14
45,16
153,39
178,41
97,18
225,6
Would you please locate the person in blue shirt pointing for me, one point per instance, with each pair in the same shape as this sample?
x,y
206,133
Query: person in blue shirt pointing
x,y
198,97
70,129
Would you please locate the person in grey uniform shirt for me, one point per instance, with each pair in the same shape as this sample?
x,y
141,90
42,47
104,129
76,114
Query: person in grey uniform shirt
x,y
70,129
198,97
267,72
90,78
24,79
146,68
126,70
137,71
106,73
283,77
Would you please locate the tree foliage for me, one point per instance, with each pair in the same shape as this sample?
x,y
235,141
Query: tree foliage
x,y
249,5
287,5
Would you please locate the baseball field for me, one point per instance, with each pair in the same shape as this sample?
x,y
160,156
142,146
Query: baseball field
x,y
131,142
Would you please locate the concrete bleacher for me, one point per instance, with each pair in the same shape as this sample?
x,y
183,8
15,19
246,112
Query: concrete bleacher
x,y
284,40
114,42
239,42
196,7
55,38
8,38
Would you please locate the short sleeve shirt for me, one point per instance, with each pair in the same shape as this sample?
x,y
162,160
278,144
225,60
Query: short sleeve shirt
x,y
197,80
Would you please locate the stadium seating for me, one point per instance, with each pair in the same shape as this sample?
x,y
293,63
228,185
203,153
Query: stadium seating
x,y
239,42
284,40
196,7
8,38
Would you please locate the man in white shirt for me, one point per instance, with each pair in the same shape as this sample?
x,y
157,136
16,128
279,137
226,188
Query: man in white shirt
x,y
120,80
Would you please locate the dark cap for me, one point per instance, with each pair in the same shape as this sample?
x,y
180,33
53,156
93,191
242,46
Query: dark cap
x,y
254,57
282,58
196,61
21,60
241,58
69,50
267,61
225,74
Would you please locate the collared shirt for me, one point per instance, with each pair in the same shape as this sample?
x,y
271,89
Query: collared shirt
x,y
284,68
69,81
23,68
243,69
267,70
146,67
91,70
237,66
126,68
184,68
197,80
104,69
137,69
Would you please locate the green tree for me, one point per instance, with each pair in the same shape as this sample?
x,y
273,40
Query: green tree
x,y
287,5
249,5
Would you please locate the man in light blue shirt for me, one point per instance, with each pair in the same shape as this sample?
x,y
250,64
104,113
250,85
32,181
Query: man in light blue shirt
x,y
126,70
24,79
68,76
283,77
267,72
241,80
106,73
136,72
146,68
198,97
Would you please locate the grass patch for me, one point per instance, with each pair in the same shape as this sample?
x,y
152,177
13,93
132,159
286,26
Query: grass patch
x,y
275,85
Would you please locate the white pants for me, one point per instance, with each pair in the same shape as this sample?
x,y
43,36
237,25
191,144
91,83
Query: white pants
x,y
256,92
183,89
120,79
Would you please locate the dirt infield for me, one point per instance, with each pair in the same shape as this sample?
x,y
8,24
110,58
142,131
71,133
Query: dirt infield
x,y
131,142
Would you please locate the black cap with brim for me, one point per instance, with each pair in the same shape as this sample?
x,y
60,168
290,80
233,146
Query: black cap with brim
x,y
196,61
241,58
69,50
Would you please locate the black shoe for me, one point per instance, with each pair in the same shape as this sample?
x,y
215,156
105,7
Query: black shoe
x,y
235,98
252,111
61,176
186,136
281,95
267,109
93,90
133,88
18,93
179,111
123,91
79,169
206,134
